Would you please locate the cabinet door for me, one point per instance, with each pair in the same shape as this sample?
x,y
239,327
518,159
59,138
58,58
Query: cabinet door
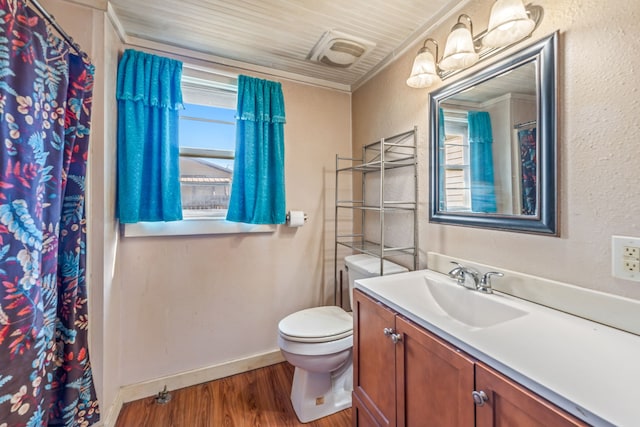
x,y
510,404
435,380
361,417
374,359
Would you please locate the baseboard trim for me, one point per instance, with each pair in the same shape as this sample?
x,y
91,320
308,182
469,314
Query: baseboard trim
x,y
141,390
112,416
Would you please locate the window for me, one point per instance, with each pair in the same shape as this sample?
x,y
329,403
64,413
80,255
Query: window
x,y
207,144
457,187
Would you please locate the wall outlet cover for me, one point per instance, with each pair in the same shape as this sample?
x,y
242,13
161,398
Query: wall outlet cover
x,y
625,257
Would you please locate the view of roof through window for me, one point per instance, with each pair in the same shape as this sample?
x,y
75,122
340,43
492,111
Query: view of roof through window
x,y
207,144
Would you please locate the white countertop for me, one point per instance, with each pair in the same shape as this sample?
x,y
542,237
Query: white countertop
x,y
588,369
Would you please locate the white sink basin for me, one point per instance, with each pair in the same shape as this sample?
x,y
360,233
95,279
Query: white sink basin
x,y
470,307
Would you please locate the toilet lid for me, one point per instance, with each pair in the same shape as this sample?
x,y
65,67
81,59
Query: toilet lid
x,y
318,324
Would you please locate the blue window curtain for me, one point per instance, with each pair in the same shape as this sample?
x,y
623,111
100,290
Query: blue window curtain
x,y
257,191
483,197
149,97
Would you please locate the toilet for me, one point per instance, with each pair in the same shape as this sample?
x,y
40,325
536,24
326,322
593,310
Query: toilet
x,y
318,342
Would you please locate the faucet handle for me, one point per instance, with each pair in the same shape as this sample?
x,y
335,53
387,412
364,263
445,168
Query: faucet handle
x,y
485,282
454,273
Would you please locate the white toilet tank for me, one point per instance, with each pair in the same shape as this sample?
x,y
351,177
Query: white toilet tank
x,y
362,266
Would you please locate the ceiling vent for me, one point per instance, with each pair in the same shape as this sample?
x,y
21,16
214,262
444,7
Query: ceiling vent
x,y
340,50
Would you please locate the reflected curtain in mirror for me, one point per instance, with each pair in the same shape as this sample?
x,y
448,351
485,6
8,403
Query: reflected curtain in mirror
x,y
483,195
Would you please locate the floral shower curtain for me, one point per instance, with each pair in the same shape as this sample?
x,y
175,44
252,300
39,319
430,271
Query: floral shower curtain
x,y
527,142
45,106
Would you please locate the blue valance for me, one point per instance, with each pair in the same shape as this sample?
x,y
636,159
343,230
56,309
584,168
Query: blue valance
x,y
479,127
134,82
260,100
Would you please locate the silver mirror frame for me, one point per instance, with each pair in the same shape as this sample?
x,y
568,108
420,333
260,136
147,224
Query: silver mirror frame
x,y
544,54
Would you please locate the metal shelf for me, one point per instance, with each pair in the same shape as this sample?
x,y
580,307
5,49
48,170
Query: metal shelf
x,y
375,249
388,206
377,165
398,151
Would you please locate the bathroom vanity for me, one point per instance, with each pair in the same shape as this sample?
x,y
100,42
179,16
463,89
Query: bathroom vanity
x,y
429,352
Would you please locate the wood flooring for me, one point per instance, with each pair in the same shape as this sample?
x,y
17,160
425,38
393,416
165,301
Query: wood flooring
x,y
258,398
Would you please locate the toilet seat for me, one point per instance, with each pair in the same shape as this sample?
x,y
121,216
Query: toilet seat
x,y
317,325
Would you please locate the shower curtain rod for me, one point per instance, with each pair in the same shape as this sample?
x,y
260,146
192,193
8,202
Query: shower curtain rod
x,y
52,21
525,124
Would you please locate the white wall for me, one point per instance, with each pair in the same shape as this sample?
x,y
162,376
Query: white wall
x,y
193,302
104,160
169,305
598,149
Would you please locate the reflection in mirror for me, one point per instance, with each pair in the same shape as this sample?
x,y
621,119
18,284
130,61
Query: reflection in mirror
x,y
494,145
489,147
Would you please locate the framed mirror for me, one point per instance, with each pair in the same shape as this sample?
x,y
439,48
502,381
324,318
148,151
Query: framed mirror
x,y
493,145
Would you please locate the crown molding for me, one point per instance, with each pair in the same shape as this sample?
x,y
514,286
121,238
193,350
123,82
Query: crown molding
x,y
187,55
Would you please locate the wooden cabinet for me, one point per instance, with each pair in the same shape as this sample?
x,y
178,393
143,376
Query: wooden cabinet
x,y
432,380
510,404
404,376
360,414
374,359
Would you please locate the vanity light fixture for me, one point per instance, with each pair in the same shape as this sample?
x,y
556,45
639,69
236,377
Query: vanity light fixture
x,y
424,72
509,22
460,51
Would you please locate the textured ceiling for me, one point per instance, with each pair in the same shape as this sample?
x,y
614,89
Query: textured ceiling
x,y
520,80
279,34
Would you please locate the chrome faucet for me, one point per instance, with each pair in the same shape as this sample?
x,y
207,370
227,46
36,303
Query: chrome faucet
x,y
460,273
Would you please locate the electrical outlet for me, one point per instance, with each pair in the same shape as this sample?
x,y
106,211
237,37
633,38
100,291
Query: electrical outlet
x,y
631,266
631,252
625,257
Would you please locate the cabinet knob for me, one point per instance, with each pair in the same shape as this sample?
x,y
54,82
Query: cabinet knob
x,y
479,397
387,331
396,338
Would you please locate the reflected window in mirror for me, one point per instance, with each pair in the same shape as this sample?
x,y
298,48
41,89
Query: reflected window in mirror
x,y
456,194
493,144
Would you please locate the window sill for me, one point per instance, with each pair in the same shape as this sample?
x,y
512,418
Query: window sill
x,y
193,227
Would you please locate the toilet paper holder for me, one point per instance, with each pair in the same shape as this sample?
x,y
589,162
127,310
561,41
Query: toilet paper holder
x,y
288,217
